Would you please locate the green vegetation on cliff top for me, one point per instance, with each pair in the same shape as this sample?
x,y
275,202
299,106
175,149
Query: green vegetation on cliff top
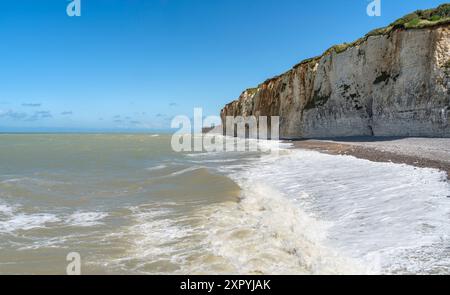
x,y
425,18
417,20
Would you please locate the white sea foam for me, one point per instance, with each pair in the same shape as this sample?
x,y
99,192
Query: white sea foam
x,y
85,219
14,220
6,209
55,242
388,218
12,180
23,221
159,167
156,236
263,234
266,234
186,170
215,161
240,145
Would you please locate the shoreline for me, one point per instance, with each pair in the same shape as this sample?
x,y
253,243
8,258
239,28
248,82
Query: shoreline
x,y
421,152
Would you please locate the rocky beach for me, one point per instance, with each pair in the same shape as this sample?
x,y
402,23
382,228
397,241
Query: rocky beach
x,y
418,152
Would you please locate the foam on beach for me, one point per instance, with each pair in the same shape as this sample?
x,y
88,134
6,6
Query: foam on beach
x,y
386,218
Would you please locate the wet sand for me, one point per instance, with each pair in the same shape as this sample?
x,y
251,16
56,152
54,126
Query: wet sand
x,y
419,152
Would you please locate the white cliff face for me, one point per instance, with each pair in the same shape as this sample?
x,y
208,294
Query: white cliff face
x,y
396,84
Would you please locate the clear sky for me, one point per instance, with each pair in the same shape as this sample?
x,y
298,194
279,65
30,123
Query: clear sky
x,y
137,63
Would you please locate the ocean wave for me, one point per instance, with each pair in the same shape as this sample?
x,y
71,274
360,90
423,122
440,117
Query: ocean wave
x,y
267,234
24,221
158,241
6,209
12,180
215,161
262,234
85,219
386,217
186,170
31,181
45,242
14,220
159,167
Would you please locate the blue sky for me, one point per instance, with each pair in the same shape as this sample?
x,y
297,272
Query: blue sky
x,y
134,64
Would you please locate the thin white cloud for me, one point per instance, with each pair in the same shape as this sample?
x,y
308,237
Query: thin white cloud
x,y
32,105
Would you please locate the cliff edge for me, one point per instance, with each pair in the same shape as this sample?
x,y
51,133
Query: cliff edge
x,y
393,82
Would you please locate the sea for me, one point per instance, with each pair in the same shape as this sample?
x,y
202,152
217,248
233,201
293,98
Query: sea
x,y
130,204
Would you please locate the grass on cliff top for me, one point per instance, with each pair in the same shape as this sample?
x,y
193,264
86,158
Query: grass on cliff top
x,y
417,20
424,18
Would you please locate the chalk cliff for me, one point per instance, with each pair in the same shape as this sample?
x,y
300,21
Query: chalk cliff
x,y
393,82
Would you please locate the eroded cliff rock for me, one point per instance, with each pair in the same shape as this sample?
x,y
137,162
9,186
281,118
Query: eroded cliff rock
x,y
393,82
